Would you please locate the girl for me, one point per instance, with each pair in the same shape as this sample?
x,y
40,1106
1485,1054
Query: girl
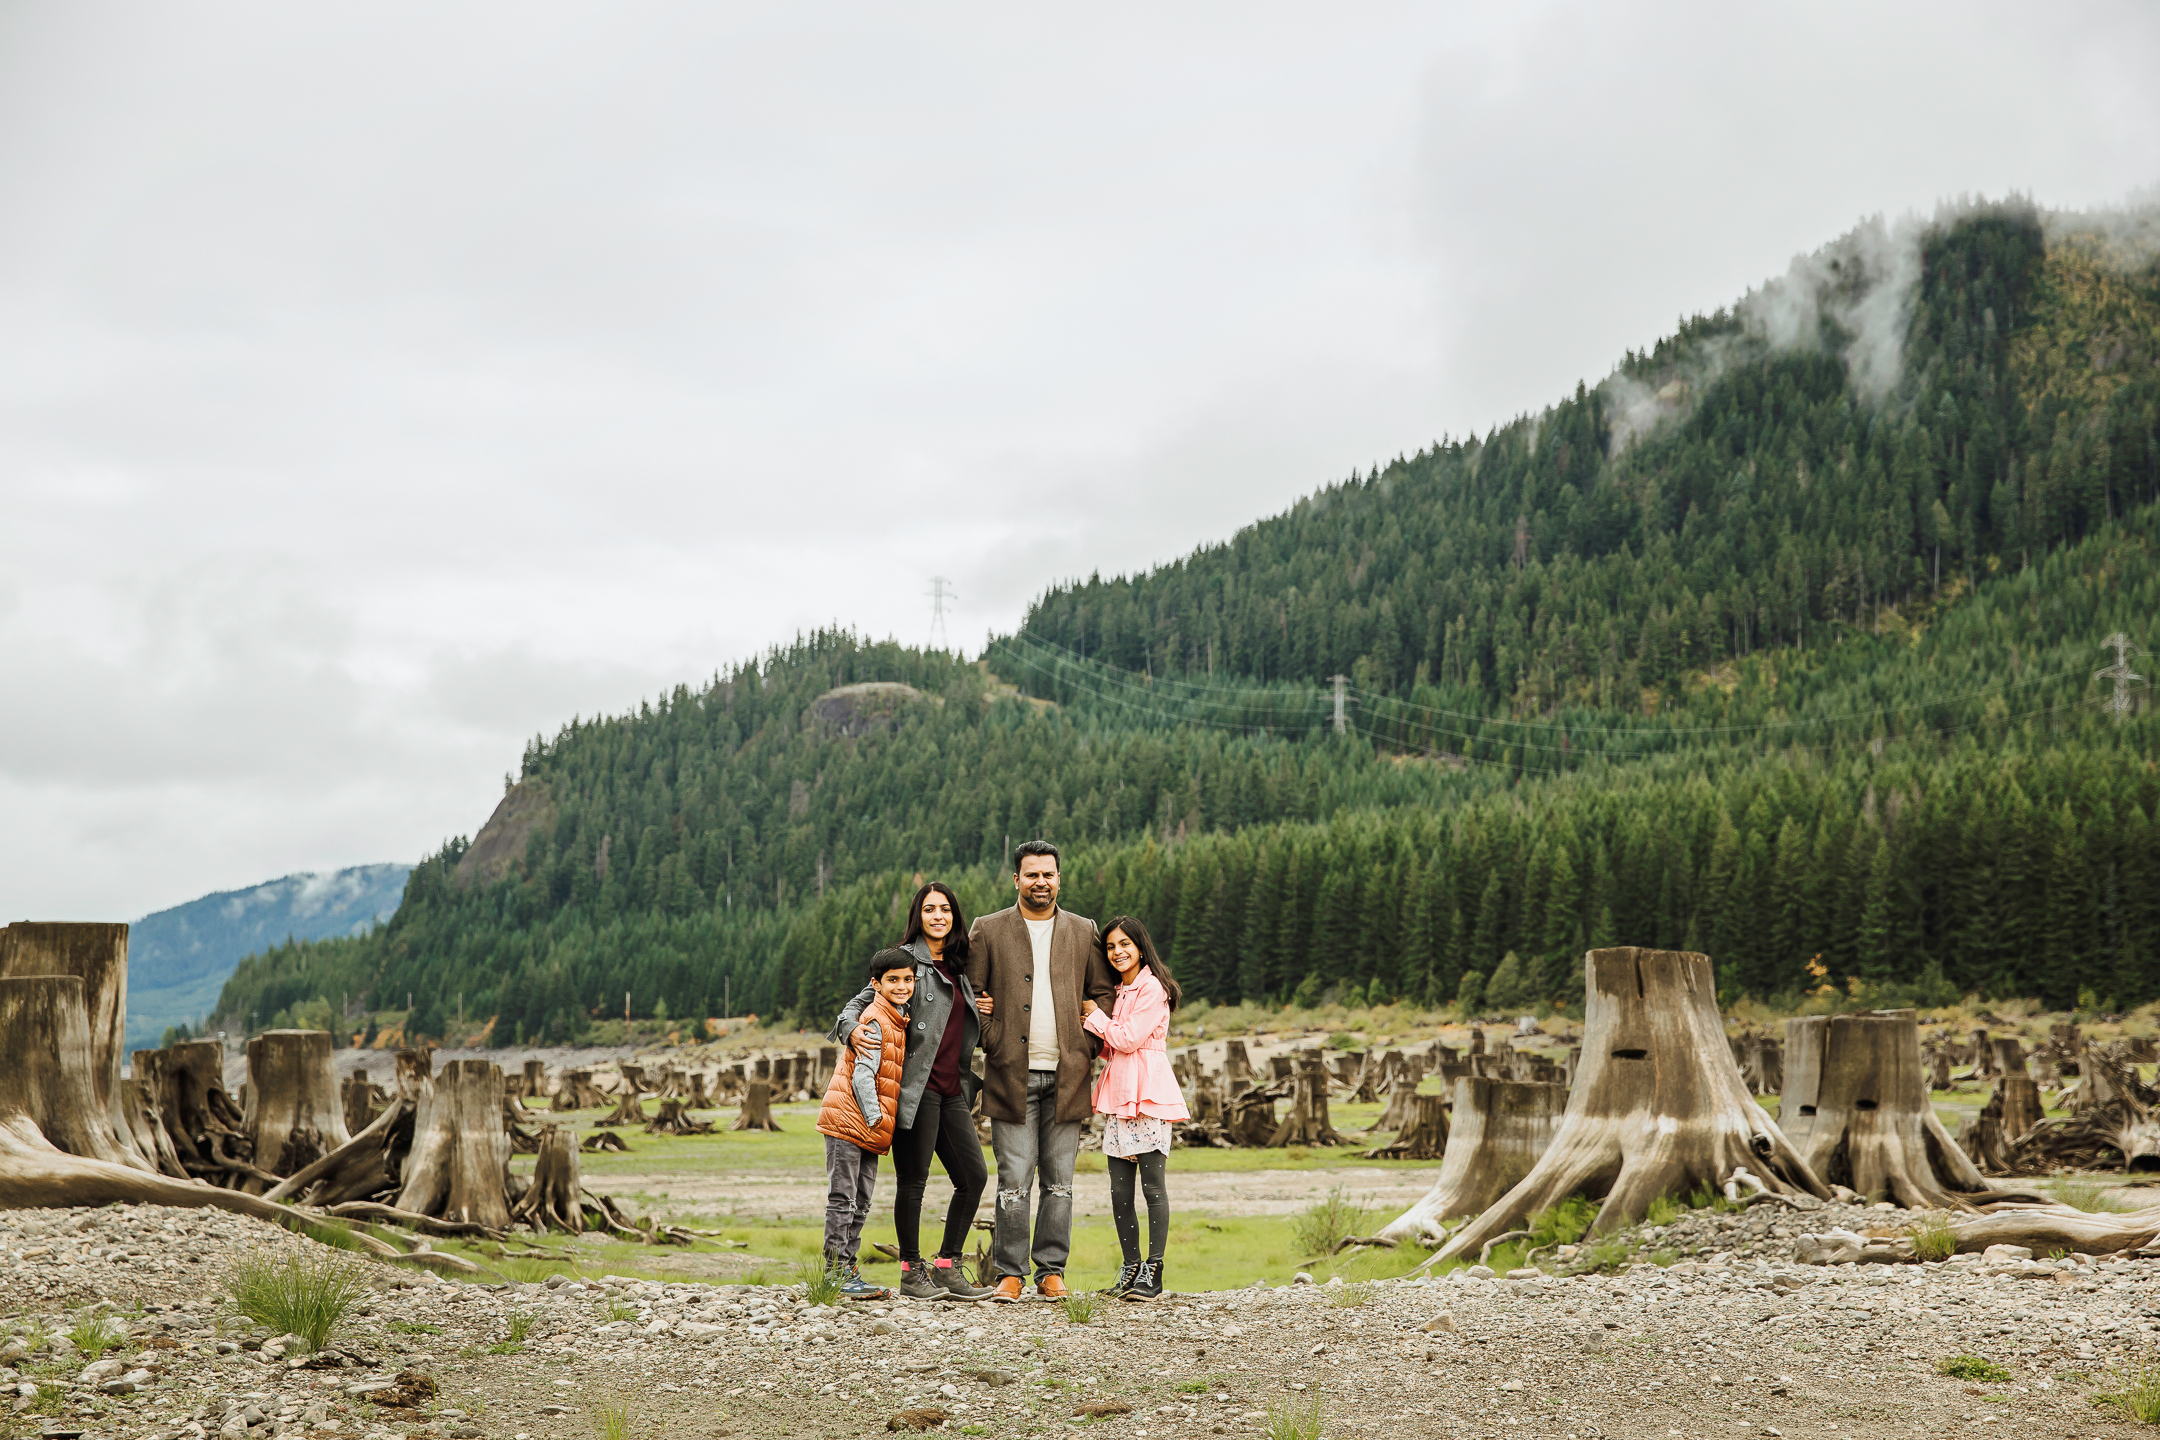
x,y
937,1087
1138,1093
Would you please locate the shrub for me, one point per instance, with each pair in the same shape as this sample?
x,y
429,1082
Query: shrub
x,y
1325,1224
1972,1367
308,1294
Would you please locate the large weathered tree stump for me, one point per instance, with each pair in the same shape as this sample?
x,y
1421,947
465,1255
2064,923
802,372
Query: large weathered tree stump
x,y
2115,1123
1500,1130
363,1100
96,954
460,1160
675,1119
205,1124
1308,1123
1237,1065
1659,1107
551,1200
1856,1108
756,1112
294,1115
1425,1137
578,1091
629,1110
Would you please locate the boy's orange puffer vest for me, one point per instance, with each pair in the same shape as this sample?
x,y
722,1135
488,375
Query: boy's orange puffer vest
x,y
838,1116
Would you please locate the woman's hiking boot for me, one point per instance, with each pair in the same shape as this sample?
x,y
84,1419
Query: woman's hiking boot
x,y
950,1278
918,1283
1119,1286
1146,1282
854,1287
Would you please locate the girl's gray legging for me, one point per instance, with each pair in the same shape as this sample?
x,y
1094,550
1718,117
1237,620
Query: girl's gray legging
x,y
1155,1184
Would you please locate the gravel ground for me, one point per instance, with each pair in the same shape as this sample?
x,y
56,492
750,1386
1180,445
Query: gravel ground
x,y
1732,1345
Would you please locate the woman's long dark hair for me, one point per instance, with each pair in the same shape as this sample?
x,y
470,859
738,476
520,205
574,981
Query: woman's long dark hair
x,y
956,944
1137,933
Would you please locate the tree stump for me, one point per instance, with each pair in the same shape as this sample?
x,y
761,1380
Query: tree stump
x,y
460,1157
96,954
1659,1107
536,1082
1762,1061
756,1112
1426,1136
1251,1119
576,1091
1500,1130
144,1098
294,1116
1856,1108
629,1110
1308,1123
1402,1089
200,1115
2115,1124
362,1099
674,1119
605,1141
1237,1065
550,1202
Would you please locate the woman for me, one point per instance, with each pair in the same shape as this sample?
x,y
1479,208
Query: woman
x,y
937,1095
1138,1098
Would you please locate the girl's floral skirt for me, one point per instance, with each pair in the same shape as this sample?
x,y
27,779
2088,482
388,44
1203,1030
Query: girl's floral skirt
x,y
1138,1135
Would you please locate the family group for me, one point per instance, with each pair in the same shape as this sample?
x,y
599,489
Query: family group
x,y
1041,992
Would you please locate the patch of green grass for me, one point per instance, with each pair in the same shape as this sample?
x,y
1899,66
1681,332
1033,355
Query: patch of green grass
x,y
1806,1347
1324,1224
1611,1253
1705,1198
529,1269
820,1282
1349,1296
2137,1393
96,1335
2093,1196
308,1294
1192,1387
1664,1258
1342,1040
1932,1237
1080,1306
612,1419
1563,1224
413,1327
49,1399
1663,1211
521,1325
1294,1421
337,1237
1972,1368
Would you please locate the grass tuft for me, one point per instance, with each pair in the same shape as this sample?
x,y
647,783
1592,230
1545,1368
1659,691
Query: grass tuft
x,y
2138,1395
2092,1196
1932,1237
1295,1422
1081,1306
611,1419
1564,1224
1346,1296
96,1335
307,1294
820,1282
1973,1368
1325,1224
1663,1211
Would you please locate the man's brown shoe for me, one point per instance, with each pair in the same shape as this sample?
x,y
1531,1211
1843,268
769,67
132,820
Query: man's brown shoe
x,y
1007,1291
1051,1287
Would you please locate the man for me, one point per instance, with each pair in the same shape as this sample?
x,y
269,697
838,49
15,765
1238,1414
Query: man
x,y
1032,965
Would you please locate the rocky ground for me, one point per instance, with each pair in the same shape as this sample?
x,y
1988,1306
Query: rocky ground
x,y
1741,1341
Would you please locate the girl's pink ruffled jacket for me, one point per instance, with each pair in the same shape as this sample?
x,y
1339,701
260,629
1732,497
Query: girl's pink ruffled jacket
x,y
1138,1079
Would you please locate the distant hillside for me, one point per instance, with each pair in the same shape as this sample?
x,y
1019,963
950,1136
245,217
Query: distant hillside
x,y
179,959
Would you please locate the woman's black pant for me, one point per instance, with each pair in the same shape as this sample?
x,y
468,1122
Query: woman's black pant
x,y
943,1128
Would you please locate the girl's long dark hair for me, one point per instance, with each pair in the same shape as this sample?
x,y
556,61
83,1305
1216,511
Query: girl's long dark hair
x,y
1137,933
956,943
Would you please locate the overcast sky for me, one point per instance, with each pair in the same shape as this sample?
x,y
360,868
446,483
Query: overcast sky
x,y
382,384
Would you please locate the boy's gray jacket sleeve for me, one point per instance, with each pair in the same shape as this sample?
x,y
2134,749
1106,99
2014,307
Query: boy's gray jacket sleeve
x,y
849,1014
864,1083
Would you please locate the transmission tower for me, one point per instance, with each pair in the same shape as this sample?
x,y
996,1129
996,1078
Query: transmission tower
x,y
2121,673
940,591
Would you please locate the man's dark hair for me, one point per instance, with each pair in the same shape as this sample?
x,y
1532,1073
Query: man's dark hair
x,y
956,941
1032,847
890,959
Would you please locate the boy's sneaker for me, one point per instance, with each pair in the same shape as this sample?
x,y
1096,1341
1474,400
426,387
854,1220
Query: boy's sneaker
x,y
1146,1282
953,1281
917,1283
854,1287
1124,1280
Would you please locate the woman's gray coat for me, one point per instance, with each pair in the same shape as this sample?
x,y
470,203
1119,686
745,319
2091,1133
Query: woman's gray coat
x,y
927,1014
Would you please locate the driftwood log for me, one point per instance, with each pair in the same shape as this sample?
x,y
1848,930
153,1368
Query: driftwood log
x,y
1500,1130
1659,1107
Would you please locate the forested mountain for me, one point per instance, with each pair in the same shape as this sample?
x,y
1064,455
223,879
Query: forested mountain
x,y
1779,643
178,959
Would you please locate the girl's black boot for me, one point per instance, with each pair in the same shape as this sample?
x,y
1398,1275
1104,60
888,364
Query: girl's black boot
x,y
1146,1282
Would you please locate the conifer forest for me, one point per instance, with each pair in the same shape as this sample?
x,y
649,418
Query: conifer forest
x,y
1789,642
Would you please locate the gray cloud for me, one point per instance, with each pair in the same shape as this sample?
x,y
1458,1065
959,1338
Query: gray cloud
x,y
383,385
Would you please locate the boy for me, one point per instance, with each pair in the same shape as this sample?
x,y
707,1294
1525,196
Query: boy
x,y
861,1106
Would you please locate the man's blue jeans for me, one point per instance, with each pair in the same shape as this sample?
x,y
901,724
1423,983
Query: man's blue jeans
x,y
1036,1144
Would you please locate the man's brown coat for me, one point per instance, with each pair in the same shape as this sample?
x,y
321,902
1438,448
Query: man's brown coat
x,y
1001,964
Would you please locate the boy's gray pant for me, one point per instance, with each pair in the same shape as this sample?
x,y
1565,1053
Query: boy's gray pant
x,y
851,1174
1038,1143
